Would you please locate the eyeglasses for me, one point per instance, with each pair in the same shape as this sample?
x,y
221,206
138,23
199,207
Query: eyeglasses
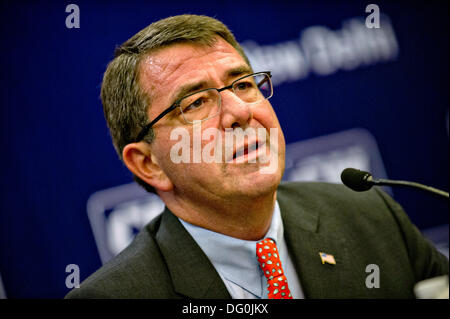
x,y
206,104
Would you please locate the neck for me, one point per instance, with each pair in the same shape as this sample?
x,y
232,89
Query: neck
x,y
245,218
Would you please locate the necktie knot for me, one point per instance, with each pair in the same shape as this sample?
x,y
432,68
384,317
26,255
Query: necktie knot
x,y
270,263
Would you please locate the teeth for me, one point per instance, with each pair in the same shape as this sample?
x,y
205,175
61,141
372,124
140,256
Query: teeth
x,y
246,149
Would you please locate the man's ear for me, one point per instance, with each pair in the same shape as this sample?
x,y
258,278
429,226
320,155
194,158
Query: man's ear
x,y
140,160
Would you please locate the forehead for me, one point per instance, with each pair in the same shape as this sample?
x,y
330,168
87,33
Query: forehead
x,y
165,70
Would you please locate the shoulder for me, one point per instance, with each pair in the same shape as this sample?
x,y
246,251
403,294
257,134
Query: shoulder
x,y
336,202
335,196
369,222
137,272
335,208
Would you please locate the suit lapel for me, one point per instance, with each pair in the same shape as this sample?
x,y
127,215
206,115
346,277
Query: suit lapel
x,y
194,276
192,273
304,241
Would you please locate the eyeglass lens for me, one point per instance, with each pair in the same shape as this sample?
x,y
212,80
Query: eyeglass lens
x,y
206,104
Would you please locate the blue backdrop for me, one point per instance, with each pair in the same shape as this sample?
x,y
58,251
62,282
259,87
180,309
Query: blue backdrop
x,y
332,80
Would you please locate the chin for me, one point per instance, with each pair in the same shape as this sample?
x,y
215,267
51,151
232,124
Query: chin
x,y
254,184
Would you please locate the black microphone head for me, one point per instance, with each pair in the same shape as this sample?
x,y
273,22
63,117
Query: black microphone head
x,y
356,179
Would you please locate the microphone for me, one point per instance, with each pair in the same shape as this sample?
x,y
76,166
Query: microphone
x,y
361,181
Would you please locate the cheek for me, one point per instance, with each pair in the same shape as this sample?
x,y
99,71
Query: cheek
x,y
265,115
162,146
177,147
267,118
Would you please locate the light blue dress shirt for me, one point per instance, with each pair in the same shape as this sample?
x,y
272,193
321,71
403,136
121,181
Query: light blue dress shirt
x,y
235,260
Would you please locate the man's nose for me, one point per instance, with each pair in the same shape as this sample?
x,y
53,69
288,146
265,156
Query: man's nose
x,y
235,112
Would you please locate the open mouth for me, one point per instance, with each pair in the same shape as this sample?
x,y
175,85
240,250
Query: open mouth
x,y
246,150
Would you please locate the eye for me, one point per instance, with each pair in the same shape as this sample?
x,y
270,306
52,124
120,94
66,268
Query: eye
x,y
194,105
241,86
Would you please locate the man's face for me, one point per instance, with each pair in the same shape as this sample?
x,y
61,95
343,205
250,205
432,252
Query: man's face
x,y
163,75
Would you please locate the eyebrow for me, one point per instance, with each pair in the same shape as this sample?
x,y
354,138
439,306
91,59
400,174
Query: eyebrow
x,y
238,71
188,88
197,86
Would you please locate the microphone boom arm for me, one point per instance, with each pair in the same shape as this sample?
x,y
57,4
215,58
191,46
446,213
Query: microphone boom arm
x,y
388,182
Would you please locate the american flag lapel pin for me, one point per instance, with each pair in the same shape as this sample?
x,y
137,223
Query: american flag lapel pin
x,y
327,258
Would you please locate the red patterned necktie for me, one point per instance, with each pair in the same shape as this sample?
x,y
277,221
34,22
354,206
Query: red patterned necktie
x,y
270,263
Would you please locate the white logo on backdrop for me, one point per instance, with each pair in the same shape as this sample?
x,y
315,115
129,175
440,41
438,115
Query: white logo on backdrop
x,y
324,158
117,214
323,51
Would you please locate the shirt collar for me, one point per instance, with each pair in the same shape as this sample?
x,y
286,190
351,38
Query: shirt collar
x,y
235,259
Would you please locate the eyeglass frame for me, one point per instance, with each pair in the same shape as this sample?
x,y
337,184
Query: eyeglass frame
x,y
176,104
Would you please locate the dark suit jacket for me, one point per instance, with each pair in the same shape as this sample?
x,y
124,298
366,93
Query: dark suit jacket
x,y
358,229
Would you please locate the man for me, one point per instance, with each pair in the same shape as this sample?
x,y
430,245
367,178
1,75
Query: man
x,y
229,228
